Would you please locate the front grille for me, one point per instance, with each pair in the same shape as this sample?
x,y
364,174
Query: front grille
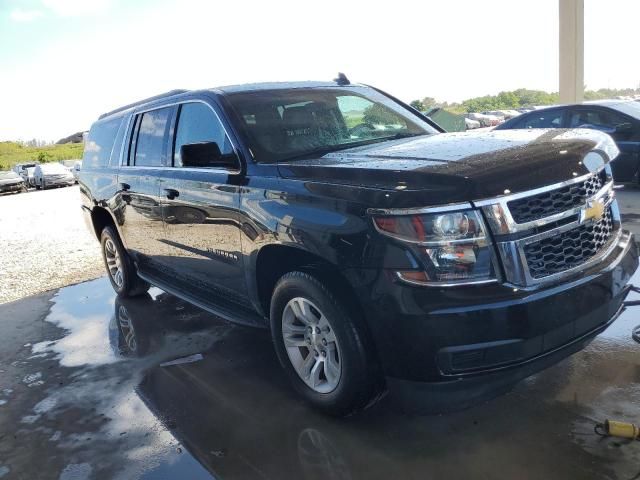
x,y
555,201
568,249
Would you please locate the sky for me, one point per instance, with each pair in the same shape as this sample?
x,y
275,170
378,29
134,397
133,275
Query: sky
x,y
64,62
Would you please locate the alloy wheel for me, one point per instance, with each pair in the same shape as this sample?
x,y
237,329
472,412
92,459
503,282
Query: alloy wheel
x,y
114,264
311,345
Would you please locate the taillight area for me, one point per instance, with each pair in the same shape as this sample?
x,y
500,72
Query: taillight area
x,y
453,246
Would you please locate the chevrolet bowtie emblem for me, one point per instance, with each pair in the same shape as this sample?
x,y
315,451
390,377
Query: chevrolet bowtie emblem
x,y
592,211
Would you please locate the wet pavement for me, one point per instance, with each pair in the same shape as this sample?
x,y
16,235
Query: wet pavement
x,y
629,202
88,389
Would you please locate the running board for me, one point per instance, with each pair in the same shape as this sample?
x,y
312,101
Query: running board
x,y
226,314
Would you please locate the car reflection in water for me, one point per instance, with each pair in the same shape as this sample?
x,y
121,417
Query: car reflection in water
x,y
233,410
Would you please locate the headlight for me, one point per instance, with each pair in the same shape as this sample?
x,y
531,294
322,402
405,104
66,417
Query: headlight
x,y
453,246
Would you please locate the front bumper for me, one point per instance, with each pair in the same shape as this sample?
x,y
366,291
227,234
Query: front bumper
x,y
56,182
14,187
475,336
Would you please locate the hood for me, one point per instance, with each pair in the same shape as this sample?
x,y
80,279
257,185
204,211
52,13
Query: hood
x,y
458,167
11,181
57,175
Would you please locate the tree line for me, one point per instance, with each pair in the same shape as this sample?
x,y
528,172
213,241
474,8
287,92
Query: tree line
x,y
513,99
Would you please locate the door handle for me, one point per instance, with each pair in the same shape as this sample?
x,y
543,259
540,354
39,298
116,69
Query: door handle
x,y
125,186
171,193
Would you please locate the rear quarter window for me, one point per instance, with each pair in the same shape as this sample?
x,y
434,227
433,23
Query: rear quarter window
x,y
99,144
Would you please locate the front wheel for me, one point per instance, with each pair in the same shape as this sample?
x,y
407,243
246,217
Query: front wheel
x,y
121,270
323,348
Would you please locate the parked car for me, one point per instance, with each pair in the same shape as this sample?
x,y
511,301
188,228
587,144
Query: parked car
x,y
485,120
10,181
24,170
445,265
69,164
48,175
27,176
505,114
77,166
620,119
471,124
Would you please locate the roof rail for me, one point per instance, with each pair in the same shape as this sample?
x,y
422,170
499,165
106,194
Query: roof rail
x,y
140,102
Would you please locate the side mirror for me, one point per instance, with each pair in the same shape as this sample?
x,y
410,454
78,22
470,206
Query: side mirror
x,y
205,154
624,127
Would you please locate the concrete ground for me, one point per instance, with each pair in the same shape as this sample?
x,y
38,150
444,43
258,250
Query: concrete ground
x,y
85,393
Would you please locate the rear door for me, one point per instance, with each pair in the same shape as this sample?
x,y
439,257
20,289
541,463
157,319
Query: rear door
x,y
201,212
606,120
138,201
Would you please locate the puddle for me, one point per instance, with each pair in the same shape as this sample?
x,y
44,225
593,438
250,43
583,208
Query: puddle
x,y
84,311
108,344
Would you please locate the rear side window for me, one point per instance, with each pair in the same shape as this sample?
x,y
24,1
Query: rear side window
x,y
152,132
596,118
99,144
197,123
542,119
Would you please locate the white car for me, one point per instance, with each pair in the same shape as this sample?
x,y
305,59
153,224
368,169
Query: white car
x,y
486,120
25,170
52,175
27,176
76,170
471,124
69,164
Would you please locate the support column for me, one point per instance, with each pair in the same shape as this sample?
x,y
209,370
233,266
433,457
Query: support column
x,y
571,42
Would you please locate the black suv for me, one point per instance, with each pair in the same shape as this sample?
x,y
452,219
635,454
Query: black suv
x,y
381,252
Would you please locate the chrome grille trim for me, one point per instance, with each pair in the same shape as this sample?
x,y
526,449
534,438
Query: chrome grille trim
x,y
501,221
553,202
512,252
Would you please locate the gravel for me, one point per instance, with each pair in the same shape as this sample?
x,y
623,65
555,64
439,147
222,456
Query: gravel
x,y
44,243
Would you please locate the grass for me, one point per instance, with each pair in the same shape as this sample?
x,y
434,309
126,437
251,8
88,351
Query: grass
x,y
12,153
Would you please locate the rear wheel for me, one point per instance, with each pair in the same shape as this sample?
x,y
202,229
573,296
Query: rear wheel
x,y
122,273
323,349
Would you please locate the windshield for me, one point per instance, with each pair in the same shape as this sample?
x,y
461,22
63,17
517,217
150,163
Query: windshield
x,y
289,124
8,175
630,108
53,168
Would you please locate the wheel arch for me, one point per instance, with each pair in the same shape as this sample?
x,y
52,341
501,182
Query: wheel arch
x,y
100,218
274,261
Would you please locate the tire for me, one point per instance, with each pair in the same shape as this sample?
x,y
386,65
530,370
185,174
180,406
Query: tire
x,y
44,184
359,381
120,268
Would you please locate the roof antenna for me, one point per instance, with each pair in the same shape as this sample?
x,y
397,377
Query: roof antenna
x,y
342,79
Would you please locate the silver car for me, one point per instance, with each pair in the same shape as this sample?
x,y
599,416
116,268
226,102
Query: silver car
x,y
11,182
52,175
